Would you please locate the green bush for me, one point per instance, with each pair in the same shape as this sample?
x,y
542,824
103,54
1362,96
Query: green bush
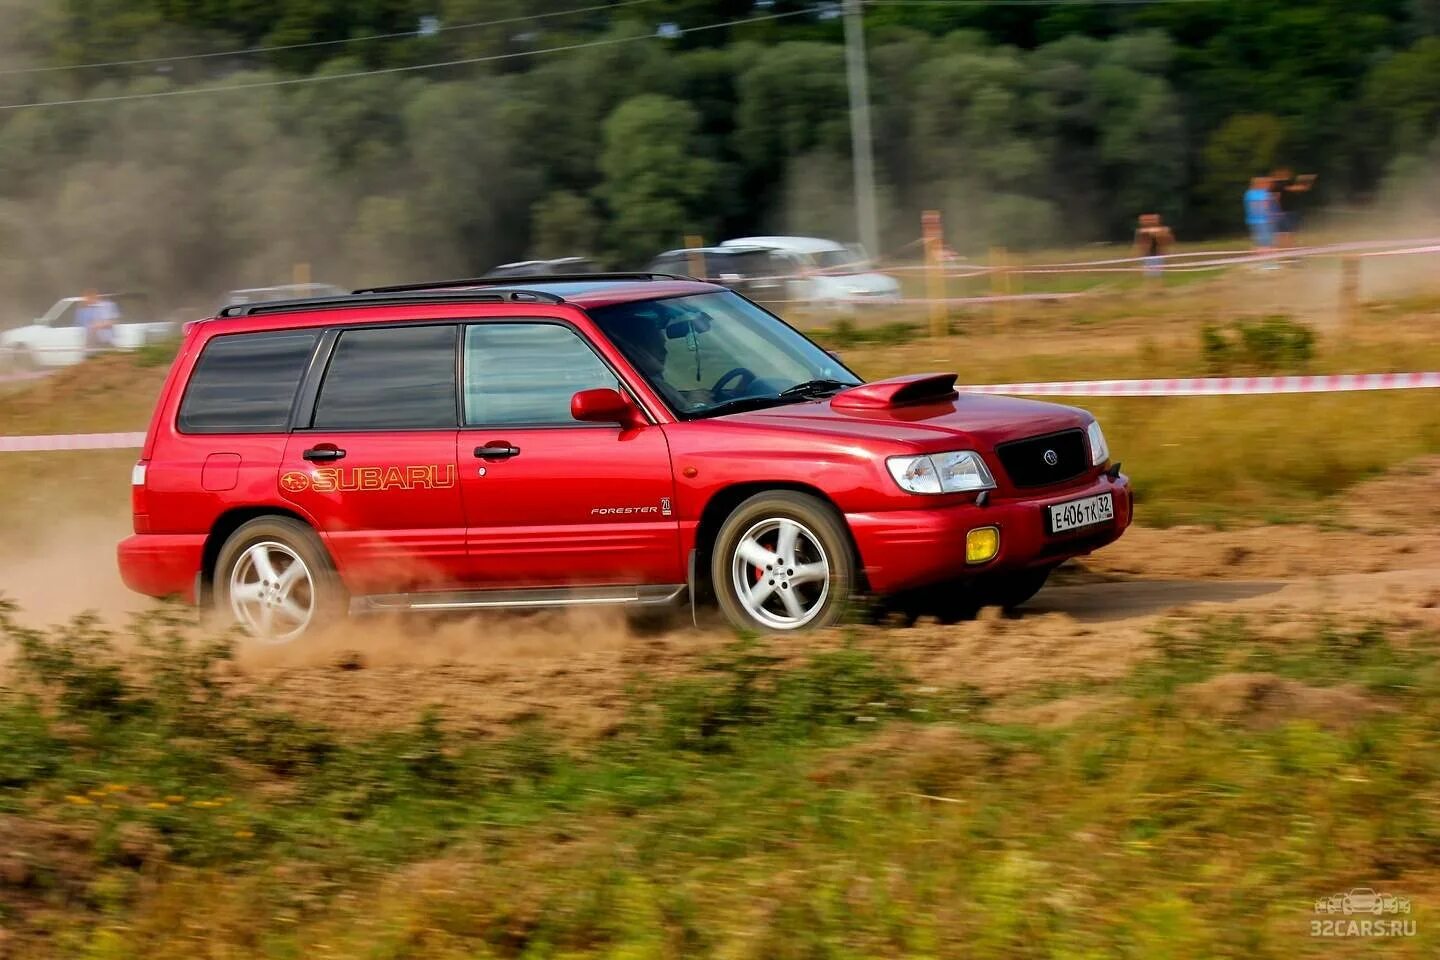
x,y
1271,344
750,692
156,353
844,333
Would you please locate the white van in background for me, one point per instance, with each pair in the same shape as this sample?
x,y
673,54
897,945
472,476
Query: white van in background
x,y
56,339
825,271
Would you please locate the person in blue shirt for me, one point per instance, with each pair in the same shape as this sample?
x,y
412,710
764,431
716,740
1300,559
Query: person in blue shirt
x,y
1260,214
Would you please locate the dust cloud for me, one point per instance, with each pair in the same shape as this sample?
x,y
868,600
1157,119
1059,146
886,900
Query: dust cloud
x,y
67,570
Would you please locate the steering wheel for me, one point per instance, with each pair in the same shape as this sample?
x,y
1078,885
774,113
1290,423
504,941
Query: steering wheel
x,y
742,375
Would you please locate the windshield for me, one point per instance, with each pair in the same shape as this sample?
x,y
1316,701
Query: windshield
x,y
717,352
838,261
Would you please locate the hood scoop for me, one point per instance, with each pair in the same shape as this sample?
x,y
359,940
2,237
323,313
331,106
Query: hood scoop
x,y
897,392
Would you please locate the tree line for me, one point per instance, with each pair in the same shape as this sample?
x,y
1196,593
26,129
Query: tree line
x,y
1024,125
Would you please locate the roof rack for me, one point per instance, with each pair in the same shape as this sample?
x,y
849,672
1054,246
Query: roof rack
x,y
509,281
365,298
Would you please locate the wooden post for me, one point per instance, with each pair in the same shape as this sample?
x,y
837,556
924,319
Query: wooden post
x,y
300,276
1349,290
693,243
934,239
1000,281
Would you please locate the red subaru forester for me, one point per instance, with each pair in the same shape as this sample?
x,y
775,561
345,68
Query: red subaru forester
x,y
608,439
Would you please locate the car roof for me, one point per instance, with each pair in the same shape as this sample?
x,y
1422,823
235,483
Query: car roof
x,y
730,251
322,287
584,291
793,244
602,292
539,263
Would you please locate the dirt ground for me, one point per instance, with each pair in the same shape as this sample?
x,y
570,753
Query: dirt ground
x,y
1380,561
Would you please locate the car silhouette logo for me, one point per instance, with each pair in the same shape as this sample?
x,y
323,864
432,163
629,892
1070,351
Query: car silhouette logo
x,y
1362,900
1051,458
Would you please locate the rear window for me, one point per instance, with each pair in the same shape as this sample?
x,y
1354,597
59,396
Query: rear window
x,y
246,382
390,378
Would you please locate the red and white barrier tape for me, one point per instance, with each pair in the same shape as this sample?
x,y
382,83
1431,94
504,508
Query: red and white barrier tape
x,y
1173,262
1174,387
1214,386
951,301
72,441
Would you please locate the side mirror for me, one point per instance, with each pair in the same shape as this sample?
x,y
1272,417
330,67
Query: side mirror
x,y
604,405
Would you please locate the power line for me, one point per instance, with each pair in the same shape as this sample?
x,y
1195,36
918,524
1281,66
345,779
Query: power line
x,y
1030,3
322,78
321,43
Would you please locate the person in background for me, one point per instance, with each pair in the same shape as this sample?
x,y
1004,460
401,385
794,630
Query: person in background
x,y
1260,214
1288,191
1152,242
96,315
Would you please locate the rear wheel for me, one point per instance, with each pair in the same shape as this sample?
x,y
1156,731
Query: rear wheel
x,y
782,562
274,578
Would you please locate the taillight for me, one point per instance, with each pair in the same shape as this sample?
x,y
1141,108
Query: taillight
x,y
139,508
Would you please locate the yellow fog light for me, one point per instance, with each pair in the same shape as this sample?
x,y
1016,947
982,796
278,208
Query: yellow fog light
x,y
981,544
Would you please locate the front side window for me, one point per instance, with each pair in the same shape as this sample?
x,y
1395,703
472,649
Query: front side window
x,y
525,374
716,352
246,382
389,378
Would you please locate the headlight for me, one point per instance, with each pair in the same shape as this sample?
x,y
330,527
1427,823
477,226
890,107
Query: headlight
x,y
954,472
1099,450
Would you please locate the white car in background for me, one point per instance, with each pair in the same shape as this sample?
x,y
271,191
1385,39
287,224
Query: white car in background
x,y
825,271
288,291
56,340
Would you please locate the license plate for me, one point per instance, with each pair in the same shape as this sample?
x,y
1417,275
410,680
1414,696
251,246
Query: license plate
x,y
1081,513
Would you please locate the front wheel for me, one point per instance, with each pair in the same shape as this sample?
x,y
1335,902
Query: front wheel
x,y
274,578
783,562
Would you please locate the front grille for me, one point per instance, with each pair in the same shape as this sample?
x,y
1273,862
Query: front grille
x,y
1026,461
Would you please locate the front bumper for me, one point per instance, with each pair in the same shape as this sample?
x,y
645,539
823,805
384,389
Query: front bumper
x,y
903,549
161,565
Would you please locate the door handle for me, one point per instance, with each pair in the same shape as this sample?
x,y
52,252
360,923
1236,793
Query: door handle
x,y
325,453
497,450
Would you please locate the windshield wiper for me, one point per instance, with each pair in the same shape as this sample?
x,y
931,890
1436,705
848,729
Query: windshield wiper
x,y
810,389
739,404
813,388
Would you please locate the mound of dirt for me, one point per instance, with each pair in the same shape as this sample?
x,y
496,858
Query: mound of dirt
x,y
1263,701
1383,524
481,675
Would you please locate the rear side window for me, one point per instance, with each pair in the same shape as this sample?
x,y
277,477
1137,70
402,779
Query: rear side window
x,y
389,378
526,373
246,382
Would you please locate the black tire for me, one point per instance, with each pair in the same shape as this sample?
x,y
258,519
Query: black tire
x,y
1011,590
20,360
325,598
821,538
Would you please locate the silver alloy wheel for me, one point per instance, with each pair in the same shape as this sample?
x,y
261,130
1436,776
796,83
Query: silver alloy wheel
x,y
781,573
272,594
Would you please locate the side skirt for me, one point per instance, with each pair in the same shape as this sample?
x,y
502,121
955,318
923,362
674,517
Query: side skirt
x,y
536,598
